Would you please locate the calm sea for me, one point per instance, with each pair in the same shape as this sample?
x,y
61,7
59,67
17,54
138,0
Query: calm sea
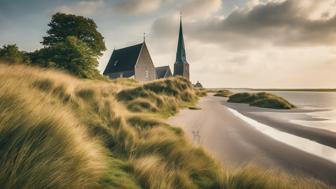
x,y
320,106
323,102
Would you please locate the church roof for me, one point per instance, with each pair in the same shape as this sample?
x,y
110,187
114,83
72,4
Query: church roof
x,y
162,71
198,85
181,57
123,59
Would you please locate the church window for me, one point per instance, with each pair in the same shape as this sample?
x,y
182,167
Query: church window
x,y
147,74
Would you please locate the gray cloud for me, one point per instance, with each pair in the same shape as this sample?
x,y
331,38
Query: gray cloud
x,y
114,7
137,6
239,60
286,23
83,7
200,8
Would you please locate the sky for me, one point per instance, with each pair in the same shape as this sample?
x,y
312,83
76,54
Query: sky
x,y
229,43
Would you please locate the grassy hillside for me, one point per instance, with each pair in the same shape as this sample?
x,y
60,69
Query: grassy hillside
x,y
262,99
57,131
223,93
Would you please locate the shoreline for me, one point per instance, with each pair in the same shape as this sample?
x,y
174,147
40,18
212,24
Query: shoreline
x,y
322,136
237,144
289,90
303,144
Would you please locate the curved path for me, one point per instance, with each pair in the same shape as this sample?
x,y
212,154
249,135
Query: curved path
x,y
236,143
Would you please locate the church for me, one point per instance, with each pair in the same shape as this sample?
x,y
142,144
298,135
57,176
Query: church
x,y
135,62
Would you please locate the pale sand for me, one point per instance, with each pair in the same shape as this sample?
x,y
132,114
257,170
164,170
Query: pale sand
x,y
237,144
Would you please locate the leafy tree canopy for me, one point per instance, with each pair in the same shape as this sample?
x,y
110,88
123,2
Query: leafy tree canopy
x,y
72,55
12,54
85,29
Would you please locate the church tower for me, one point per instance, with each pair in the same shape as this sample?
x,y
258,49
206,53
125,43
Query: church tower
x,y
181,66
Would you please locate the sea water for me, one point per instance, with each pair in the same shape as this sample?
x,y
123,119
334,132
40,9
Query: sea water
x,y
320,106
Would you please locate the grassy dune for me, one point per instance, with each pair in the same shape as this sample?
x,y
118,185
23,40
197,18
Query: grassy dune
x,y
262,99
57,131
223,93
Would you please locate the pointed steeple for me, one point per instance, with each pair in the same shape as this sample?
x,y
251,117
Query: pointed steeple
x,y
181,66
180,53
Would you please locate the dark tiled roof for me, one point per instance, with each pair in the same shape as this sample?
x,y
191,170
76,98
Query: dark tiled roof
x,y
123,59
162,71
198,85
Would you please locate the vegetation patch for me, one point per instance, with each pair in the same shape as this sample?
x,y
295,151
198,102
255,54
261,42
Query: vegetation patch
x,y
95,140
223,93
194,108
201,92
262,99
164,97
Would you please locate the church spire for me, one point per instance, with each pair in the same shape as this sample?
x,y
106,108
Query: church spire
x,y
181,66
180,53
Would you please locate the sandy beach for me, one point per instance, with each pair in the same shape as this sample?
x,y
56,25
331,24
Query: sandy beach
x,y
235,143
263,115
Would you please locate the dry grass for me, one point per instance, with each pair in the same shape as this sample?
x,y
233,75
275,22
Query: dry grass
x,y
57,131
42,144
262,99
223,93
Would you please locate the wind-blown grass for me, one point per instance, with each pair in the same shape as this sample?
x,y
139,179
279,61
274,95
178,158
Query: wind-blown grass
x,y
57,131
223,93
262,99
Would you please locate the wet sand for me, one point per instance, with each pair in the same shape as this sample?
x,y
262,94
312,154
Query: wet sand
x,y
321,136
236,144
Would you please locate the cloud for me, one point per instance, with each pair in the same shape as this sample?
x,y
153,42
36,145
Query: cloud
x,y
137,6
286,23
270,41
115,7
200,8
83,7
263,24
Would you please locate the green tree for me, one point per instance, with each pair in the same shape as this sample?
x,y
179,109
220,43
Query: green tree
x,y
85,29
12,54
72,55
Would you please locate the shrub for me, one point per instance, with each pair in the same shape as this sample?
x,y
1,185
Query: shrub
x,y
162,96
223,93
11,54
264,100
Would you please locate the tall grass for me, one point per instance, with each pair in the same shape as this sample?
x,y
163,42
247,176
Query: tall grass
x,y
223,93
57,131
262,99
42,145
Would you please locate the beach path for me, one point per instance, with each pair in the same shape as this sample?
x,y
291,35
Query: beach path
x,y
236,144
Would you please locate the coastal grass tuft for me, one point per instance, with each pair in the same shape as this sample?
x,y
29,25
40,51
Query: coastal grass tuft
x,y
42,144
201,92
223,93
262,99
163,97
57,131
256,177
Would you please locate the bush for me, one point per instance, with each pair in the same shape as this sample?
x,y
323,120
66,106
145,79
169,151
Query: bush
x,y
72,56
223,93
11,54
263,100
201,92
162,96
85,29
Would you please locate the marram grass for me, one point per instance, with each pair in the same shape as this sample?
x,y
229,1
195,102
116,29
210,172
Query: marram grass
x,y
57,131
261,99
